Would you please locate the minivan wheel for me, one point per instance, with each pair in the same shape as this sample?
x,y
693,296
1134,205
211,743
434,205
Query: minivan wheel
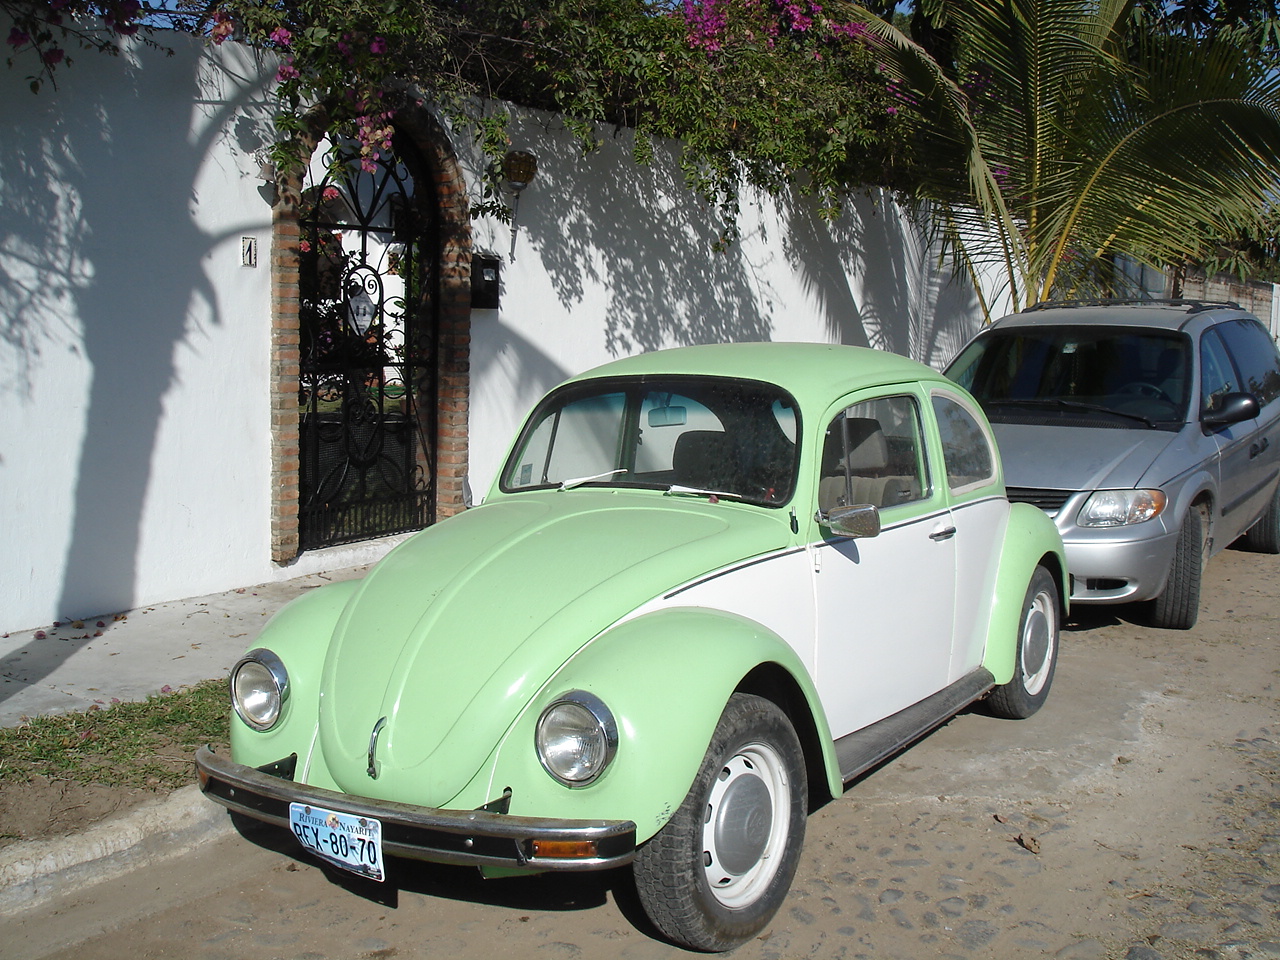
x,y
1264,536
1178,605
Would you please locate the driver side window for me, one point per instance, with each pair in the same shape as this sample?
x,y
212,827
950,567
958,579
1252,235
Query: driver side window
x,y
873,454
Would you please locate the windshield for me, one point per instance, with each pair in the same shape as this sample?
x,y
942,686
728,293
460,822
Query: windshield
x,y
1130,376
681,435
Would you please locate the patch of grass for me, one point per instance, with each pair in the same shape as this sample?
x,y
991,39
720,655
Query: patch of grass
x,y
147,744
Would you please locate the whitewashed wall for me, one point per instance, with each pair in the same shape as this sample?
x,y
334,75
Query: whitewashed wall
x,y
134,457
134,345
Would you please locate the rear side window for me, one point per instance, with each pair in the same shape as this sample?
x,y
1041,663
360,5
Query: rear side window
x,y
966,451
1255,357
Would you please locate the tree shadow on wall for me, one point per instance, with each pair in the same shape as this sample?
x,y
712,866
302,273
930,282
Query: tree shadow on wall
x,y
907,301
113,268
602,219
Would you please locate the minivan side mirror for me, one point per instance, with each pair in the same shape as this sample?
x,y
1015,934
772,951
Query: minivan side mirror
x,y
1234,408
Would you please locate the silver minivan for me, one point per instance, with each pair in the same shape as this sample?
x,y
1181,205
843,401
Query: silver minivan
x,y
1148,430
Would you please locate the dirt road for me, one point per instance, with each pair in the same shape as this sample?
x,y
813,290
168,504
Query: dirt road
x,y
1134,817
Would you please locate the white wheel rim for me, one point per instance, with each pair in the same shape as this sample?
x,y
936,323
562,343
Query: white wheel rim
x,y
1038,637
744,832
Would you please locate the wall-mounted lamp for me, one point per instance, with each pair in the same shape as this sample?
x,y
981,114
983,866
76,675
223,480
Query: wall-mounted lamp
x,y
518,170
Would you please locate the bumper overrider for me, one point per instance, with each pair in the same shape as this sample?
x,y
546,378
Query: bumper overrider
x,y
482,838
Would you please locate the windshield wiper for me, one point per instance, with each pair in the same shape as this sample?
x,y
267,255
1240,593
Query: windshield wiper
x,y
579,481
678,490
1071,405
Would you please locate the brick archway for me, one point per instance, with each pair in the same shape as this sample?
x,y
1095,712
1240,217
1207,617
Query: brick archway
x,y
445,177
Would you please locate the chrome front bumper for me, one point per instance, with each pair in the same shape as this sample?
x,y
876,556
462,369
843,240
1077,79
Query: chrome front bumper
x,y
481,838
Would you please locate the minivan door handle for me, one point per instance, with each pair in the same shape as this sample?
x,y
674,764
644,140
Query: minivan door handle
x,y
946,533
1257,448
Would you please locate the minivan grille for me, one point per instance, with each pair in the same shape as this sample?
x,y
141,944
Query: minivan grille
x,y
1050,501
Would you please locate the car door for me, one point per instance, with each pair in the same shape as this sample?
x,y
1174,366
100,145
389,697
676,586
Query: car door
x,y
979,513
1220,376
884,605
1258,365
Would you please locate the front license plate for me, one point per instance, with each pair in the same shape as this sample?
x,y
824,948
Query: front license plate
x,y
352,843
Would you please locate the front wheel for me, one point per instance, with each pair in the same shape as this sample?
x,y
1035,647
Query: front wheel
x,y
1178,606
720,868
1037,653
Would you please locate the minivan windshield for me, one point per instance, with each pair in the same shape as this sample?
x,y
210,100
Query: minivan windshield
x,y
679,434
1118,376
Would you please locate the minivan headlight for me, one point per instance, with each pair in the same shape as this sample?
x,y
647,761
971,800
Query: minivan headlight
x,y
576,738
1117,508
259,688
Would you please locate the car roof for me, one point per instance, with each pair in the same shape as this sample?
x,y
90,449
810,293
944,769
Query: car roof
x,y
1173,315
813,373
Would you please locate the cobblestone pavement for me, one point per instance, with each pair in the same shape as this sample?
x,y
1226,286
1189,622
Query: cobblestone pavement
x,y
1135,817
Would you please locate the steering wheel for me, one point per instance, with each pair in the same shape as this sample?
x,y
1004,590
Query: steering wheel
x,y
1143,389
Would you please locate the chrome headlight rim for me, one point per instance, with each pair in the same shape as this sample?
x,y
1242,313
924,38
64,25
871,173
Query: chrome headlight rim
x,y
1127,507
602,727
277,694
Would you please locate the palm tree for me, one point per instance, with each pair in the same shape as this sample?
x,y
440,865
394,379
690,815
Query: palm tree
x,y
1074,137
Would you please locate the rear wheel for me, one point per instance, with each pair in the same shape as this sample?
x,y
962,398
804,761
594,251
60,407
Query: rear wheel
x,y
715,875
1178,606
1264,536
1037,653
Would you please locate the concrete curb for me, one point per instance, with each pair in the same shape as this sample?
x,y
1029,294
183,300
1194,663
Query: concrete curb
x,y
34,870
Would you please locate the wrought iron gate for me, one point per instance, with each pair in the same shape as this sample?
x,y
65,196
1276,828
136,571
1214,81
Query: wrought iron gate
x,y
368,347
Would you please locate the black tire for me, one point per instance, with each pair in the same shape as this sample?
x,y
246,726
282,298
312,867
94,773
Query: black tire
x,y
717,872
1039,631
1178,605
1264,536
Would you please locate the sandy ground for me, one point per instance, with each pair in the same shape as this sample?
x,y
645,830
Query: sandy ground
x,y
1134,817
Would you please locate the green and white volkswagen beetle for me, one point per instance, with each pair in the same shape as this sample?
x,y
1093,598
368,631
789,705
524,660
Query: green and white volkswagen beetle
x,y
709,587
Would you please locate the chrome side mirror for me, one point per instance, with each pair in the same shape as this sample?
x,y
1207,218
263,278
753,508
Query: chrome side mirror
x,y
859,520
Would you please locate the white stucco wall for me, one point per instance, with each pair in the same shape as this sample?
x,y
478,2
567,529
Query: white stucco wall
x,y
134,457
134,346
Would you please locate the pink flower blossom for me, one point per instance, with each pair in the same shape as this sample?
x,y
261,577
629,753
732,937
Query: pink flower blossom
x,y
281,36
330,193
305,246
379,45
223,26
367,165
18,38
287,71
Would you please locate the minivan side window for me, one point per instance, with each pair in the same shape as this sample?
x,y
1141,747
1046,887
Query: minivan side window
x,y
1254,353
1217,373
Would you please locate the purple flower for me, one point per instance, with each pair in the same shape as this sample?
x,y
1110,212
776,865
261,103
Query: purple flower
x,y
53,56
379,45
287,71
281,36
18,38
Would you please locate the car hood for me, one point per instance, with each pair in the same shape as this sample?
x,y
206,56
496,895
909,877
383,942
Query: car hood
x,y
1077,458
453,632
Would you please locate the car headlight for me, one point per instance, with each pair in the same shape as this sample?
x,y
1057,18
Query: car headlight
x,y
1117,508
576,738
259,688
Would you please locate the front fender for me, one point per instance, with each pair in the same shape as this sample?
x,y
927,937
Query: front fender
x,y
299,635
1029,539
666,676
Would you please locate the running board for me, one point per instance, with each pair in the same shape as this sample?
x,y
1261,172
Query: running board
x,y
861,750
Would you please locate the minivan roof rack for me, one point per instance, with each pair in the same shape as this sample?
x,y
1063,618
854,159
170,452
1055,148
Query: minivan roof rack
x,y
1193,306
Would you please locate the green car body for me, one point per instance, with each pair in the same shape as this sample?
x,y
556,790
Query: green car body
x,y
424,683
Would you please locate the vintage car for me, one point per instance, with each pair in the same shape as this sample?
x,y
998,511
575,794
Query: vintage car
x,y
709,586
